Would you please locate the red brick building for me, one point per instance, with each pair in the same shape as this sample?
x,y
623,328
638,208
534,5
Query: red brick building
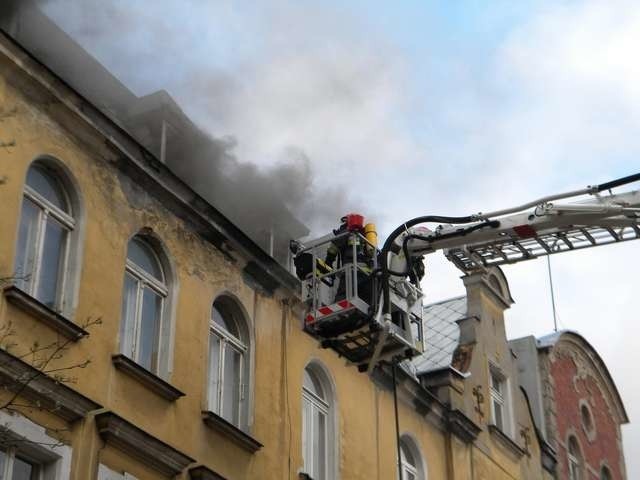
x,y
575,403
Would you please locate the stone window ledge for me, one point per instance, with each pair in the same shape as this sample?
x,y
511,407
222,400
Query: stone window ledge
x,y
462,426
144,376
51,395
203,473
39,310
505,441
137,443
234,433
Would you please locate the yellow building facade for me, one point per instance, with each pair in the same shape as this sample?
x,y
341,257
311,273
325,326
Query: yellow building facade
x,y
145,337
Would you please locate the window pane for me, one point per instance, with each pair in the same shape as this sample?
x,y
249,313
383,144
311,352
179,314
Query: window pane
x,y
497,409
321,445
407,457
573,471
224,318
26,251
147,349
22,470
51,264
573,447
307,441
142,255
311,384
496,382
214,376
47,186
231,387
127,322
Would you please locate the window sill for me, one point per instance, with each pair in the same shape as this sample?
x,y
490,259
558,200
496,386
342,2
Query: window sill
x,y
53,319
506,441
234,433
203,473
144,376
151,451
48,394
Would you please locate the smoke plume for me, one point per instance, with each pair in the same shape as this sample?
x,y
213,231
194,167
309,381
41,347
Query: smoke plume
x,y
283,101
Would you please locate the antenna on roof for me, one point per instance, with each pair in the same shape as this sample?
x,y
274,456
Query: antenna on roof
x,y
553,298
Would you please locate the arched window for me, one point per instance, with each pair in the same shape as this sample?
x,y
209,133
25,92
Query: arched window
x,y
410,460
228,362
143,324
605,473
574,459
318,438
588,423
46,226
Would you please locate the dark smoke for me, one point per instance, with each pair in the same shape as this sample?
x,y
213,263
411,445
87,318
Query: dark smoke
x,y
272,204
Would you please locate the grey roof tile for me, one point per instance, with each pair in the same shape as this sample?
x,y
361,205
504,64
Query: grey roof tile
x,y
441,334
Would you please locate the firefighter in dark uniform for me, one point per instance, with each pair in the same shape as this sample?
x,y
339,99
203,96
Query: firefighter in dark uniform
x,y
340,253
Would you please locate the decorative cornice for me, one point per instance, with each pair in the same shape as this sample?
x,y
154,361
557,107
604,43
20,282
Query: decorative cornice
x,y
49,394
148,379
40,311
587,361
443,377
154,453
203,473
462,426
234,433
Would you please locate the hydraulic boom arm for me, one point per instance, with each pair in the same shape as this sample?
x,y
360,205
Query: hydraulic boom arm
x,y
535,229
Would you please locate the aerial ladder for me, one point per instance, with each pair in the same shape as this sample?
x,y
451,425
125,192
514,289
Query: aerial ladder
x,y
366,304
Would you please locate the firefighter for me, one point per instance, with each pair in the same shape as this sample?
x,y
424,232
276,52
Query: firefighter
x,y
342,251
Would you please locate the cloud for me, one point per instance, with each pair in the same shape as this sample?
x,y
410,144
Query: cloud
x,y
574,115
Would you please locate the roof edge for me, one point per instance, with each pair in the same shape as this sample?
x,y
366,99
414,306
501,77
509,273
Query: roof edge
x,y
147,165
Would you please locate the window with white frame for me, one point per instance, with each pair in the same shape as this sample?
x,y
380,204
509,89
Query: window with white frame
x,y
46,226
499,393
13,466
28,453
574,458
317,425
410,460
143,306
228,363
